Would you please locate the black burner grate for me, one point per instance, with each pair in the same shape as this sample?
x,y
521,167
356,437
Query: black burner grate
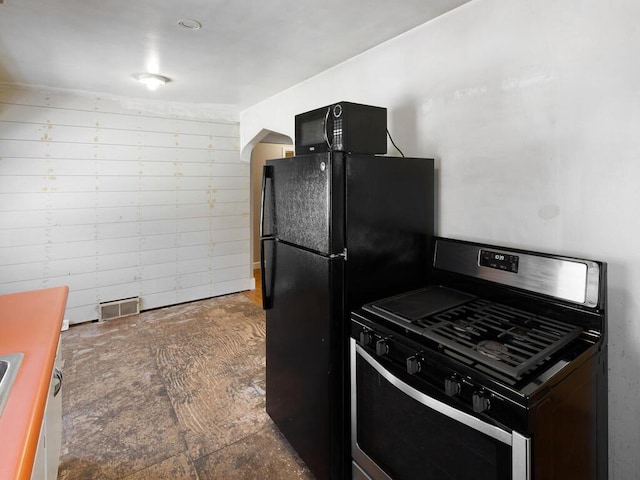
x,y
506,339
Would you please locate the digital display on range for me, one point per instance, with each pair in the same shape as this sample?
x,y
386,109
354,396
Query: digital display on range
x,y
499,261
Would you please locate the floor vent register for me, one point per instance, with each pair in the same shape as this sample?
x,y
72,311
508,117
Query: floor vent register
x,y
118,308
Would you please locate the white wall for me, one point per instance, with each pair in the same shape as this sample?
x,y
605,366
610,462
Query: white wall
x,y
532,110
117,198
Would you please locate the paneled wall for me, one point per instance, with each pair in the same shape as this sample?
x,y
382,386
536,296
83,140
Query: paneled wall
x,y
116,200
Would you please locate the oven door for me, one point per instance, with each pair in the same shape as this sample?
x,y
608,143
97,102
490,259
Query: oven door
x,y
400,433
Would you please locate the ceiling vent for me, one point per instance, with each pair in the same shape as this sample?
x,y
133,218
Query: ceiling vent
x,y
118,308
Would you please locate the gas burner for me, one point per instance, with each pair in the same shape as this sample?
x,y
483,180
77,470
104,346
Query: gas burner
x,y
492,349
503,338
461,324
518,333
464,326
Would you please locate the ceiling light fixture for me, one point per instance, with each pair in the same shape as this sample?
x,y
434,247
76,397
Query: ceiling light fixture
x,y
189,24
151,80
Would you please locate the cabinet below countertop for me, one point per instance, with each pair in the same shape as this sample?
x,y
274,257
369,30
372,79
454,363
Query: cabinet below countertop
x,y
30,323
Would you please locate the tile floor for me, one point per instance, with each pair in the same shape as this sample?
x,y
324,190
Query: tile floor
x,y
175,393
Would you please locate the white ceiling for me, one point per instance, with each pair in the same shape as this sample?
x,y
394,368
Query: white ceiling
x,y
246,50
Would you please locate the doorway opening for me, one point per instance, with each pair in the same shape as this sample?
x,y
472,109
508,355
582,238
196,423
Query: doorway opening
x,y
265,146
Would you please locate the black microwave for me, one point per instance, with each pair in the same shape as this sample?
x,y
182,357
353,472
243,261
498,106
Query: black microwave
x,y
342,127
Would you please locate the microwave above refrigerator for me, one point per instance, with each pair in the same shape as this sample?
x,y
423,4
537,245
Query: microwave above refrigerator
x,y
342,127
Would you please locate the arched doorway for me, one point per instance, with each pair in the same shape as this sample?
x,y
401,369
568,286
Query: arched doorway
x,y
265,146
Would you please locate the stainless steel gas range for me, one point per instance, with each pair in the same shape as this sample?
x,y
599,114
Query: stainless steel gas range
x,y
496,370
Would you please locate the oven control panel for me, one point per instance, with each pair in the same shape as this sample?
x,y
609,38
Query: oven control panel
x,y
499,261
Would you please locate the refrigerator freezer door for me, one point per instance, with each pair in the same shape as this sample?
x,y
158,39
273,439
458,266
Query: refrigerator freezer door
x,y
304,201
305,349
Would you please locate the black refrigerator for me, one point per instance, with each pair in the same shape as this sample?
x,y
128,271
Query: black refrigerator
x,y
337,230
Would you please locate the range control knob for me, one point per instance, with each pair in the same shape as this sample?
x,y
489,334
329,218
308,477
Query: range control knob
x,y
481,401
414,364
452,386
365,338
382,347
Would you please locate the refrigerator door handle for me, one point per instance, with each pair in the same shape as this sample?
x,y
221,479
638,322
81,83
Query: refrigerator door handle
x,y
267,300
267,173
